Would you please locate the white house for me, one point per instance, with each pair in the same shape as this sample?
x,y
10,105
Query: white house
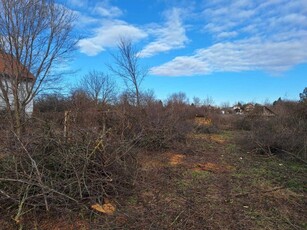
x,y
9,72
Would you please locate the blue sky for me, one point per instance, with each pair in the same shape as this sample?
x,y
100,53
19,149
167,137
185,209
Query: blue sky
x,y
243,50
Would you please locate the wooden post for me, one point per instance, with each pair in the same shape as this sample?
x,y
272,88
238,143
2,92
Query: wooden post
x,y
66,121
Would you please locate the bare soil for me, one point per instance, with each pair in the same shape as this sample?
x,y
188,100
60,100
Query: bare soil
x,y
210,183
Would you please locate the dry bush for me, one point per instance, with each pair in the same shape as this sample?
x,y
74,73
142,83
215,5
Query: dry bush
x,y
155,126
164,127
46,172
4,132
285,133
244,122
206,125
51,103
207,119
227,121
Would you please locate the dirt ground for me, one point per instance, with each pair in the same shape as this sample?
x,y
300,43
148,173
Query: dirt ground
x,y
208,183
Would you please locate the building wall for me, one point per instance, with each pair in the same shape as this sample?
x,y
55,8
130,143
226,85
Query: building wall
x,y
22,95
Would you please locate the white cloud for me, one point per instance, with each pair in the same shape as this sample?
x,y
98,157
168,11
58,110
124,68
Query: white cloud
x,y
268,36
101,29
108,35
181,66
245,55
246,35
254,17
104,9
168,37
83,20
90,46
230,34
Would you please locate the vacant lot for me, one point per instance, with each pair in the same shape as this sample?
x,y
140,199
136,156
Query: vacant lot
x,y
207,183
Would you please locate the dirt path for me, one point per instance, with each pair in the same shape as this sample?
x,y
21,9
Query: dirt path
x,y
211,184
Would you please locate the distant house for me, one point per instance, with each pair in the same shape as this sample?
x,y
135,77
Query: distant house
x,y
267,112
237,109
12,72
249,108
263,111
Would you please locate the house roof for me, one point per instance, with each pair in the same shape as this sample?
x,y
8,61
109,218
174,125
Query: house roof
x,y
263,111
11,66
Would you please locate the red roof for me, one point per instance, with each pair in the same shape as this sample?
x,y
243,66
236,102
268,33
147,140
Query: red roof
x,y
12,66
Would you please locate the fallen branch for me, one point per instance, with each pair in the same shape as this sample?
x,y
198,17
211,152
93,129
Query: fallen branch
x,y
39,186
293,155
265,191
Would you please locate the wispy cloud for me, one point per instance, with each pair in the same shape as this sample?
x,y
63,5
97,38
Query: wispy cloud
x,y
245,55
83,20
107,35
106,30
101,27
104,9
247,35
172,35
182,66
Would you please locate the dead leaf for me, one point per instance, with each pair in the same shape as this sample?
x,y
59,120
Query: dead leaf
x,y
106,208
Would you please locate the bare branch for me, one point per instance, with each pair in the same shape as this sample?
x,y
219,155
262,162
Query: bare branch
x,y
35,37
99,86
128,68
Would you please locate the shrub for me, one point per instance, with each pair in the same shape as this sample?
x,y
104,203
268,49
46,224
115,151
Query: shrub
x,y
157,127
284,133
48,173
164,127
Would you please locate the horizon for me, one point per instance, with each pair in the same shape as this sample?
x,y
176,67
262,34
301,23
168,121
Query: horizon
x,y
247,51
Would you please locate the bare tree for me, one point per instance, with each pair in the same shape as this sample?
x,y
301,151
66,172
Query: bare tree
x,y
179,98
35,36
303,95
197,101
208,101
99,86
127,66
148,97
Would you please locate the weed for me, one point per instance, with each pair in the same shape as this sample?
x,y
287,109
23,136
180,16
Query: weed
x,y
183,184
228,135
296,185
231,148
199,174
296,166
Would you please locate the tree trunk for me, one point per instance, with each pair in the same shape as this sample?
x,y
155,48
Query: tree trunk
x,y
18,121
